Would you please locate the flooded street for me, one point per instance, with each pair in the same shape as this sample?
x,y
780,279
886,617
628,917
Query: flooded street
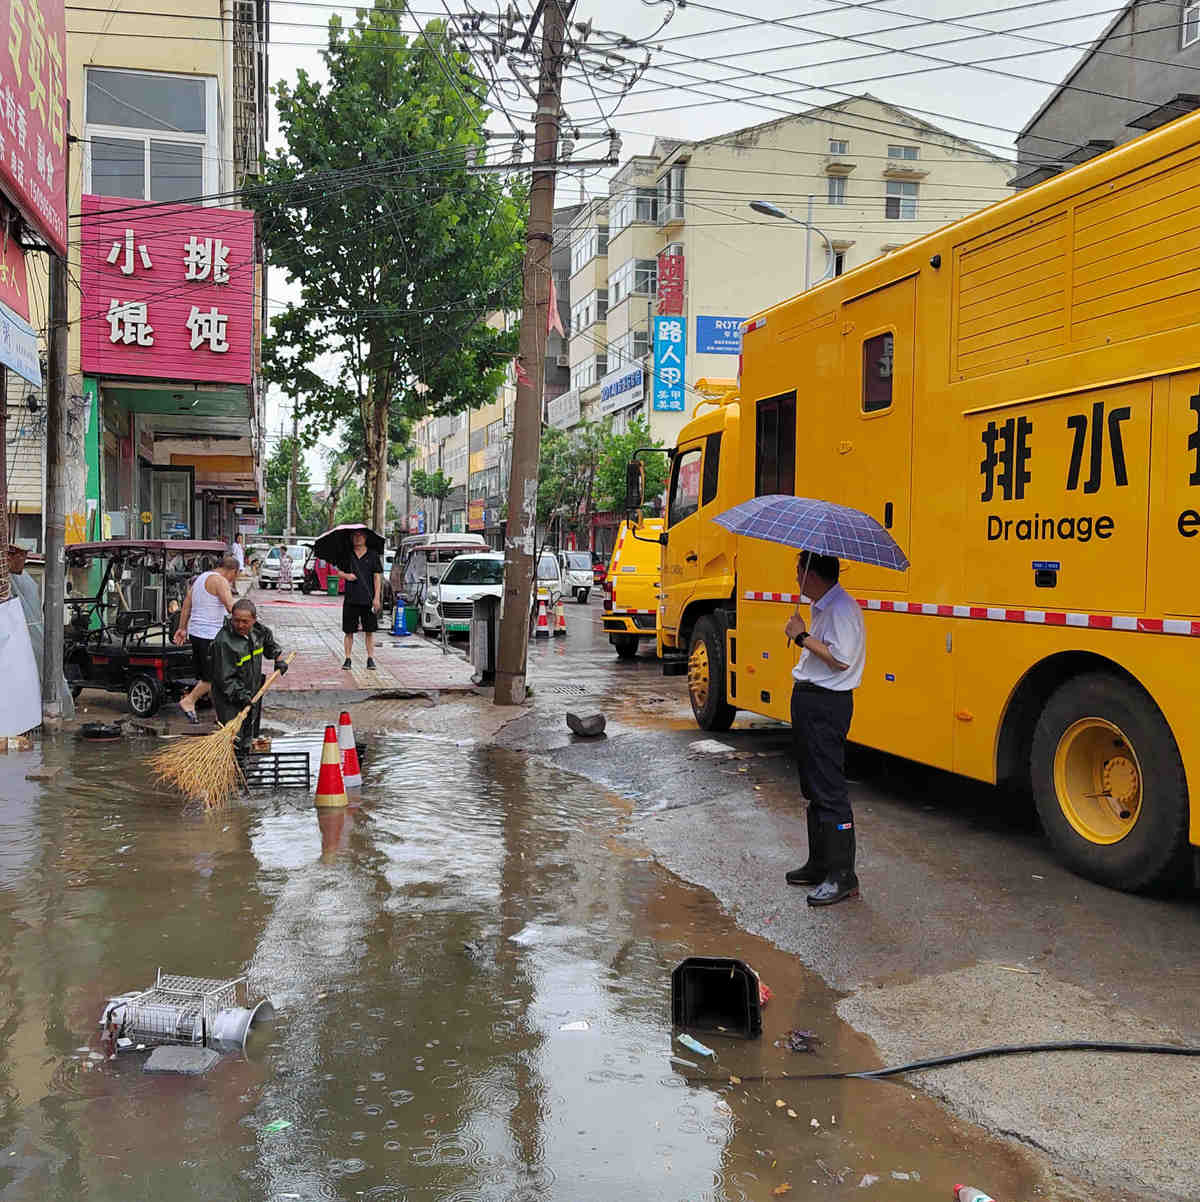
x,y
472,972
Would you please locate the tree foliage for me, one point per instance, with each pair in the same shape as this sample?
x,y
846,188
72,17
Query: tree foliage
x,y
398,249
309,514
435,485
567,473
615,455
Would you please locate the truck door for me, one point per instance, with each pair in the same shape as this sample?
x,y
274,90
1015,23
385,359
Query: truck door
x,y
877,420
682,559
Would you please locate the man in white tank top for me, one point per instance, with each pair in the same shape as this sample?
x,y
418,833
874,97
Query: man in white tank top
x,y
204,608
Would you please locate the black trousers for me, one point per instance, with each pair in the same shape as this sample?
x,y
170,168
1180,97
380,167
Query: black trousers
x,y
820,721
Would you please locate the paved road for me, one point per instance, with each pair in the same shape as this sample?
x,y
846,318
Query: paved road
x,y
968,932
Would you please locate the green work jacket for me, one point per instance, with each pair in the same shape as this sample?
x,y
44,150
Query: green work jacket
x,y
237,666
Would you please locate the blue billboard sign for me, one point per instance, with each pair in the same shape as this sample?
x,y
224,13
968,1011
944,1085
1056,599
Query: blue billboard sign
x,y
719,335
670,349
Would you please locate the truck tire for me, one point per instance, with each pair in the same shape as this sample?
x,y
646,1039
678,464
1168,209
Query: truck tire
x,y
1109,783
706,677
626,645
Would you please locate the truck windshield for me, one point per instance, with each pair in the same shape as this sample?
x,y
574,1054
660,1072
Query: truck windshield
x,y
547,568
475,571
579,561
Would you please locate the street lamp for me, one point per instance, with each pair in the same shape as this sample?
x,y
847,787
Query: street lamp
x,y
767,209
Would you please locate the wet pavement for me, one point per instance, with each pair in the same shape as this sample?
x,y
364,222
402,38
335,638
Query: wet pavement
x,y
432,953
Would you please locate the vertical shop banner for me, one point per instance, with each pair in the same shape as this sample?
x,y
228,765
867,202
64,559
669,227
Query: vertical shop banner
x,y
168,291
33,114
670,284
475,510
670,348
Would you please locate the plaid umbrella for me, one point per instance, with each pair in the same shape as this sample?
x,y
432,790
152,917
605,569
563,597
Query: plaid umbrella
x,y
818,526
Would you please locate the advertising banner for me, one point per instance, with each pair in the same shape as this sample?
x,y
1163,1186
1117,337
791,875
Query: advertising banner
x,y
33,114
14,287
670,284
168,291
719,335
474,515
623,386
670,348
563,411
19,346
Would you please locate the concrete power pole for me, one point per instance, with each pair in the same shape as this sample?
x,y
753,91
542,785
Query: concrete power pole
x,y
54,586
521,530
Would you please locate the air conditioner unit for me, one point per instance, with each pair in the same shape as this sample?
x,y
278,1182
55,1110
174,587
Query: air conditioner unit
x,y
562,361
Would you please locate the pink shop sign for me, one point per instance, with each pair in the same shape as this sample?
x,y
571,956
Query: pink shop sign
x,y
168,291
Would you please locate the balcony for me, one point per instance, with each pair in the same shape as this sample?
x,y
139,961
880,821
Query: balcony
x,y
904,169
838,164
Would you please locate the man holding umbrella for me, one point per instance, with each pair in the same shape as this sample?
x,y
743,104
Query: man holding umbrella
x,y
830,668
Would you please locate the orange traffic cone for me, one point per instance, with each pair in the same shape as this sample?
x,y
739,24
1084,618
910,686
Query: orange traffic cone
x,y
542,631
351,771
331,789
560,618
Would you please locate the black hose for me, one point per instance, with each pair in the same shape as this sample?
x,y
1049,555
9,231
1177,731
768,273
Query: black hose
x,y
1005,1049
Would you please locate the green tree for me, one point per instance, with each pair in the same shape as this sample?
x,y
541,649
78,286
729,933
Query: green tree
x,y
308,512
435,486
615,455
567,474
398,248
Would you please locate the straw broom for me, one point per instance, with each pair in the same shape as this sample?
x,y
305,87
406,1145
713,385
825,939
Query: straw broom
x,y
207,769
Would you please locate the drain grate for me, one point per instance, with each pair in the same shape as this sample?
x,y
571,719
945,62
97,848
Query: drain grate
x,y
276,769
567,690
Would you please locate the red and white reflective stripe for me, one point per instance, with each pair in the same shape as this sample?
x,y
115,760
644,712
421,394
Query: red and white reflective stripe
x,y
616,555
790,598
1031,617
631,612
756,324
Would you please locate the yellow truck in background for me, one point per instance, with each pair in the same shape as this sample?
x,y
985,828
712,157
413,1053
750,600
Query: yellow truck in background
x,y
1016,397
631,586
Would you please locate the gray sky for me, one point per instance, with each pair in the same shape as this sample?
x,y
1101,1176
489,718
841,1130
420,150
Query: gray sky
x,y
979,68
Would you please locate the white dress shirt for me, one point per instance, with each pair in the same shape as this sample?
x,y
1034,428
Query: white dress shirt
x,y
838,622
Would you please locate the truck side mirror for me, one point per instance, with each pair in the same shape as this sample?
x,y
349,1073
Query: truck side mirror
x,y
635,484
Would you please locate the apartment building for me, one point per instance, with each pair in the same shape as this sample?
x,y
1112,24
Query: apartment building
x,y
676,239
166,304
1138,74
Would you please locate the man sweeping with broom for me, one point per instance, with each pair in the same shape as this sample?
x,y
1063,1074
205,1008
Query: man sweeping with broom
x,y
237,667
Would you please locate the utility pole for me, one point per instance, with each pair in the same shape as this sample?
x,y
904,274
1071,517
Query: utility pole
x,y
294,478
54,584
521,530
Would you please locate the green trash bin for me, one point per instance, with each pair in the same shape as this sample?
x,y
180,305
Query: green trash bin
x,y
412,616
331,586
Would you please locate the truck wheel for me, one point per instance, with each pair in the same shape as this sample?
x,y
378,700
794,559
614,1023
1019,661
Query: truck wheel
x,y
706,677
144,696
626,645
1109,783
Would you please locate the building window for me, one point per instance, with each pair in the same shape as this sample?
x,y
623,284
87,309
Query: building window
x,y
586,245
879,354
150,136
630,347
838,146
633,277
589,372
775,446
593,307
837,189
900,203
1191,23
903,152
634,204
839,262
670,196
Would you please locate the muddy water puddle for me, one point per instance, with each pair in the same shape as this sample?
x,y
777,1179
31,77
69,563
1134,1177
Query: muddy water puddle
x,y
472,975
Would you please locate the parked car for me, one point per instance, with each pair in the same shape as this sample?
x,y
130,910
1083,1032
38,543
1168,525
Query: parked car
x,y
451,599
577,574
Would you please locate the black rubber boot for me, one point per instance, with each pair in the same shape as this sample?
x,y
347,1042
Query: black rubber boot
x,y
812,873
840,881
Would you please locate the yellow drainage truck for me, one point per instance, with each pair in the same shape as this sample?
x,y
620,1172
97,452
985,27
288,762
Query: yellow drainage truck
x,y
1016,397
631,586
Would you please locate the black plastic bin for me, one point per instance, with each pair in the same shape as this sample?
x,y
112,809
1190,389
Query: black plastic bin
x,y
715,993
